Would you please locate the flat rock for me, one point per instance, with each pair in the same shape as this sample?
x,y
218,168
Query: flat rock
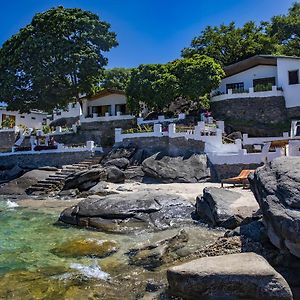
x,y
231,277
128,212
224,208
277,190
121,163
177,169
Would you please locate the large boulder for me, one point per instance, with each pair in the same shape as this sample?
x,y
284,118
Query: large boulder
x,y
128,212
84,180
224,208
236,276
277,190
114,175
121,163
20,185
177,169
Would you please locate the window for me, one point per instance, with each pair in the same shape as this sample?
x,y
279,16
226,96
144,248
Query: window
x,y
22,117
293,77
235,87
33,118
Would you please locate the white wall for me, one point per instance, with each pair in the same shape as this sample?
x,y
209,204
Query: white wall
x,y
248,76
73,110
112,99
291,92
32,120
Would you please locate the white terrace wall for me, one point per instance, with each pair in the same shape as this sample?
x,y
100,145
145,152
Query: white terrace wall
x,y
262,140
160,119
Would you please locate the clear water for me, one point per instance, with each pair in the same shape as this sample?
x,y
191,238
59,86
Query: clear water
x,y
28,269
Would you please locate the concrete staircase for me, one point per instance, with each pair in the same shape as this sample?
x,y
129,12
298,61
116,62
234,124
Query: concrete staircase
x,y
55,183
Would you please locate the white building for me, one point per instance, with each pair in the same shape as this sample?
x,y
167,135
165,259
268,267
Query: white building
x,y
108,101
262,76
72,110
34,119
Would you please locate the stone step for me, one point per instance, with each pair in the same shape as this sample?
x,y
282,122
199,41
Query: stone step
x,y
48,181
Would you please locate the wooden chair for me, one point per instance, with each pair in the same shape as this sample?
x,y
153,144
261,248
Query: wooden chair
x,y
242,178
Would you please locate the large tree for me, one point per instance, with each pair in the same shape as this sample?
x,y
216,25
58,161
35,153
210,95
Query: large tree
x,y
116,78
153,85
286,30
53,59
228,44
159,85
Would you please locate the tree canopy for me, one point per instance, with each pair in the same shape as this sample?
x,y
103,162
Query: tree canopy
x,y
228,44
116,78
53,59
286,30
159,85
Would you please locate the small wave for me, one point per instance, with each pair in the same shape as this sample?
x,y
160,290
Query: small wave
x,y
11,204
93,271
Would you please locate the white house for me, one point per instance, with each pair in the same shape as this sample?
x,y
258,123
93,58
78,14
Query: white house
x,y
72,110
262,76
108,101
34,119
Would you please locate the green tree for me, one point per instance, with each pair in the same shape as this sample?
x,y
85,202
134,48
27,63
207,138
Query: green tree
x,y
153,85
286,30
228,44
197,76
53,59
116,78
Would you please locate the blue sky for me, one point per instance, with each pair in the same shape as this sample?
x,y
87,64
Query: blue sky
x,y
149,31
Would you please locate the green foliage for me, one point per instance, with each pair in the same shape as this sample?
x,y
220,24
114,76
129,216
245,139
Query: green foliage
x,y
159,85
228,44
53,59
153,85
286,30
263,87
197,76
140,129
8,123
116,79
46,129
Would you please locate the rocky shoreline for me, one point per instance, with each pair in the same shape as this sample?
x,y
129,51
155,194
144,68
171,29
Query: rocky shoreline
x,y
126,193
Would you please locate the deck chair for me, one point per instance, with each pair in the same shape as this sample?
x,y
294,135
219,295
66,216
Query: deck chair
x,y
242,178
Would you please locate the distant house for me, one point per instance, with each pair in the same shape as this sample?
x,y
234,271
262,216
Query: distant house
x,y
34,119
72,110
262,77
111,102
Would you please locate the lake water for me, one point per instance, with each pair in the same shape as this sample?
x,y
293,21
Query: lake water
x,y
29,270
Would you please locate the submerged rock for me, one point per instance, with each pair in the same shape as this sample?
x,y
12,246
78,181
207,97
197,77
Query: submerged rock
x,y
235,276
154,255
127,212
177,169
86,247
228,209
277,190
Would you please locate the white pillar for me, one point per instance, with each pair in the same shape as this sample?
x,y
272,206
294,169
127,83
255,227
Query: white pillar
x,y
90,145
118,135
139,121
161,119
251,90
274,88
85,107
113,109
157,130
172,130
58,129
221,125
181,116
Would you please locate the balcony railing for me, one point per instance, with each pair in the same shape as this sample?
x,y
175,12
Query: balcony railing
x,y
266,91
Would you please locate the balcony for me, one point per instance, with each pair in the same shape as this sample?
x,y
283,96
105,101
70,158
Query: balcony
x,y
273,91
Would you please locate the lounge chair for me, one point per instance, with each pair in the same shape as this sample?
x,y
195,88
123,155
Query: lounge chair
x,y
242,178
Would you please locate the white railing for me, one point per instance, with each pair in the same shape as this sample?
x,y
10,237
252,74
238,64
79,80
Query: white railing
x,y
262,140
251,94
160,119
106,118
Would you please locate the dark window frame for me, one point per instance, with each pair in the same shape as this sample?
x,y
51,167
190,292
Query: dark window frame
x,y
293,77
235,86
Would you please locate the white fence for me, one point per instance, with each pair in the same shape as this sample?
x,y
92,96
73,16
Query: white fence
x,y
106,118
160,119
262,140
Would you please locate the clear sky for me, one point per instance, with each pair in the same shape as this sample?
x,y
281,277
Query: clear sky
x,y
149,31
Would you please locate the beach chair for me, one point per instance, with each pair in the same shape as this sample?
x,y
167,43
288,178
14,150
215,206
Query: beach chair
x,y
242,178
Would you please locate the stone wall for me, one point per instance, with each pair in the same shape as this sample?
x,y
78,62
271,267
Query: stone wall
x,y
37,160
170,146
219,172
293,112
7,140
262,110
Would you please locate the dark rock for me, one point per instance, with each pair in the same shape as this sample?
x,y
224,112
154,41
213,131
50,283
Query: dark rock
x,y
122,152
128,212
48,168
114,175
224,208
134,173
69,193
152,286
235,276
151,256
177,169
277,190
235,135
64,122
84,180
121,163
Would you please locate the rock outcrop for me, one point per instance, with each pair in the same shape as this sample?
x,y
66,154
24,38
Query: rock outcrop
x,y
236,276
277,190
168,169
128,212
224,208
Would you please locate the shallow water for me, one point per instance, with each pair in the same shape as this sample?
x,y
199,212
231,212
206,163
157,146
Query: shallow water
x,y
29,270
